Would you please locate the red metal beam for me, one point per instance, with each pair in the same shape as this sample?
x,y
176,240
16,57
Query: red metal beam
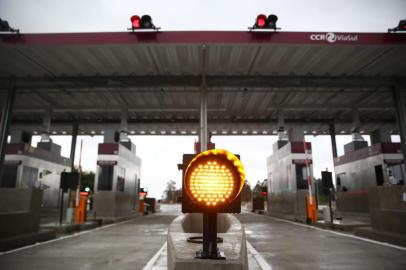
x,y
306,38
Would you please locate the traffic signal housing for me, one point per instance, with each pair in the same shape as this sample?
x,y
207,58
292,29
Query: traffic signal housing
x,y
400,28
212,182
264,22
5,27
142,23
327,180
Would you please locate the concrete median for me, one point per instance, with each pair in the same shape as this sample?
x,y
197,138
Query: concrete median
x,y
181,253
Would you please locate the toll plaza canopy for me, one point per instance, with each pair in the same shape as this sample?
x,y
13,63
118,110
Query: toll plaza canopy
x,y
252,78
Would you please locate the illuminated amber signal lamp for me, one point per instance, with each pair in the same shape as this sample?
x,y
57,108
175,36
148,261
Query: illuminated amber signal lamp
x,y
214,178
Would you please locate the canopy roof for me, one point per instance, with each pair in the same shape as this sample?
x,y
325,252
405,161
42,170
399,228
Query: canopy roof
x,y
313,78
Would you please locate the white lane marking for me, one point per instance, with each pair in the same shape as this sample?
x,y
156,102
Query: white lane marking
x,y
258,257
63,237
153,260
342,234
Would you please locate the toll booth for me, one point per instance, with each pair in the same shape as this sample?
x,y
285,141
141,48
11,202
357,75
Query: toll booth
x,y
363,167
35,167
288,168
117,180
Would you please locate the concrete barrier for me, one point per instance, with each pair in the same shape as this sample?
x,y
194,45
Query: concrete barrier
x,y
19,211
388,208
181,253
109,204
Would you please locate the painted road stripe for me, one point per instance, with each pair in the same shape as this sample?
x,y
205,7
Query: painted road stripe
x,y
63,237
342,234
258,257
153,260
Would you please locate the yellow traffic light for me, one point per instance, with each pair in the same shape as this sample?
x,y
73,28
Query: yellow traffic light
x,y
214,178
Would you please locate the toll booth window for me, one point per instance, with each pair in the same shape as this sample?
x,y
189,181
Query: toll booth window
x,y
106,177
342,182
301,176
120,179
30,176
136,184
397,174
9,178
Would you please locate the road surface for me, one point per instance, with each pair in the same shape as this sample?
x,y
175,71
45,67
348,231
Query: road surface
x,y
286,245
128,245
131,244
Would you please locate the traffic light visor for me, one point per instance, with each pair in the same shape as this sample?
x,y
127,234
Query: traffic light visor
x,y
214,177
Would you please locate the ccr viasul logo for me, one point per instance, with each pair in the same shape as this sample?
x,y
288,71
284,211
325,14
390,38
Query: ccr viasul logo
x,y
331,37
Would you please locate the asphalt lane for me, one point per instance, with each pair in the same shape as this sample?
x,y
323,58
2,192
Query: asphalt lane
x,y
289,246
128,245
132,244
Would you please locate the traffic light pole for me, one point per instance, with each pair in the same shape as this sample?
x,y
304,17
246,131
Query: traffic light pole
x,y
210,250
210,234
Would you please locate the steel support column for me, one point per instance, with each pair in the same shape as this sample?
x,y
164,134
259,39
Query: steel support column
x,y
124,121
332,129
203,103
5,120
75,130
203,120
401,118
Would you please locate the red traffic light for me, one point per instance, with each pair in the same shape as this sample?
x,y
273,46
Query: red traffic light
x,y
144,22
261,21
264,22
135,22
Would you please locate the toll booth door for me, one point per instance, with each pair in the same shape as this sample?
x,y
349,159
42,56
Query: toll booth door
x,y
379,175
106,178
301,176
9,178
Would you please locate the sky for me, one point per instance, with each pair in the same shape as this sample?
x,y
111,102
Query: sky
x,y
294,15
48,16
